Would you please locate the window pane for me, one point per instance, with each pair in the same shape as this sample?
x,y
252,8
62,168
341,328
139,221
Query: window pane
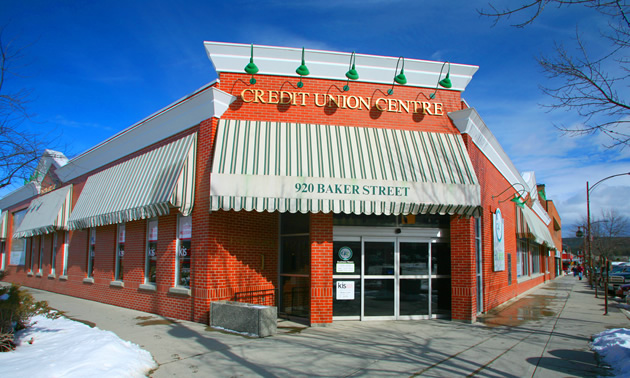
x,y
297,223
152,262
379,258
295,298
441,258
414,258
185,255
379,297
441,296
295,255
347,303
414,297
346,258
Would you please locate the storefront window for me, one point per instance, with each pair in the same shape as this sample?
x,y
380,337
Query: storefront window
x,y
91,253
151,255
32,257
522,261
40,263
184,254
295,264
53,257
420,220
535,253
64,271
441,259
18,246
120,253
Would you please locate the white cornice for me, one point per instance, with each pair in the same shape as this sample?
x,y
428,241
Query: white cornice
x,y
468,121
205,103
19,195
283,61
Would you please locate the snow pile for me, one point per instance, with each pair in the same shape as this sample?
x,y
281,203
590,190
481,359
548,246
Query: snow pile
x,y
613,346
65,348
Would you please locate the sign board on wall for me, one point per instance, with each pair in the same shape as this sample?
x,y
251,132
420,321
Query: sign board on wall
x,y
498,241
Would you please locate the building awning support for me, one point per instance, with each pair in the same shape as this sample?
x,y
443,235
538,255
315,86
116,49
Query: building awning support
x,y
290,167
142,187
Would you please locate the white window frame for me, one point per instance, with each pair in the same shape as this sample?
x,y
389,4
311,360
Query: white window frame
x,y
40,267
53,256
91,252
180,233
64,269
118,257
147,250
32,239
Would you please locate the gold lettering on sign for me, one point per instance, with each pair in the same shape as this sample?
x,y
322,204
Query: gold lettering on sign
x,y
342,101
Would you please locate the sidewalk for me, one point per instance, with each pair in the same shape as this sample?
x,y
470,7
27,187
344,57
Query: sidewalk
x,y
545,333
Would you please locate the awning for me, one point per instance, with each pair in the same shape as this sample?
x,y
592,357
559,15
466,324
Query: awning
x,y
531,227
4,219
289,167
46,214
143,187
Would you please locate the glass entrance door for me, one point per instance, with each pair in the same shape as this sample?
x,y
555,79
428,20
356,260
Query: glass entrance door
x,y
379,279
384,278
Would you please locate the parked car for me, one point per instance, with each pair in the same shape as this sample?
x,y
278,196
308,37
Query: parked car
x,y
624,290
619,275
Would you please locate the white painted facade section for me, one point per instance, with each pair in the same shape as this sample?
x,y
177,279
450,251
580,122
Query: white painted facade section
x,y
283,61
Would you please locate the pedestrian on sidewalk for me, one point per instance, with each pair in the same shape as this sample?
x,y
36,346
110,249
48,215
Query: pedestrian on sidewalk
x,y
574,270
580,271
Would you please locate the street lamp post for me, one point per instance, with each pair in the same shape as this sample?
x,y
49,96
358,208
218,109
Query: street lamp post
x,y
589,238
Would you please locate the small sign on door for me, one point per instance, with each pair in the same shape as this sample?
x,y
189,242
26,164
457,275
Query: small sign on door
x,y
345,290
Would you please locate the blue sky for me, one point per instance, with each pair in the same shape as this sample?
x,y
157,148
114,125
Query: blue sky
x,y
96,68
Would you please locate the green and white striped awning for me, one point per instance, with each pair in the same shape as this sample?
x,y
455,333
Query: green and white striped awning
x,y
4,219
529,226
46,214
143,187
289,167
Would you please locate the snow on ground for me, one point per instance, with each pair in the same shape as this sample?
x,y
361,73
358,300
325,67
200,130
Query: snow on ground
x,y
613,346
66,348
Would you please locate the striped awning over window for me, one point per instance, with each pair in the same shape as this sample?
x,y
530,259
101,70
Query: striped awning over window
x,y
529,226
46,214
4,219
143,187
289,167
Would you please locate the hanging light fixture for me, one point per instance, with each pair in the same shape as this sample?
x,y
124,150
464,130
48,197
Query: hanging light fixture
x,y
446,82
400,78
352,73
251,68
518,200
302,70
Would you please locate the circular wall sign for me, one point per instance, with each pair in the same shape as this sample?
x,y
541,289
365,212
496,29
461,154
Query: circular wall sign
x,y
345,253
499,225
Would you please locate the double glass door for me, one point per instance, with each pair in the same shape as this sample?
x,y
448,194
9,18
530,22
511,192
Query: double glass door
x,y
388,278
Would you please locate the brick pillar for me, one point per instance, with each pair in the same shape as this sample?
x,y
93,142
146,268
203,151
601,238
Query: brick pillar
x,y
321,231
201,224
463,271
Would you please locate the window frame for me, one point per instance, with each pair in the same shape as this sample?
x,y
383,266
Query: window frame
x,y
118,257
53,254
178,253
91,252
147,257
64,268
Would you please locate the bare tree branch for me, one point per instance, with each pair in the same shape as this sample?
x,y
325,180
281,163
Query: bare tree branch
x,y
596,88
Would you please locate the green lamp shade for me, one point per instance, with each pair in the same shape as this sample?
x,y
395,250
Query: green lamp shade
x,y
401,78
446,82
352,73
518,201
302,70
251,68
579,233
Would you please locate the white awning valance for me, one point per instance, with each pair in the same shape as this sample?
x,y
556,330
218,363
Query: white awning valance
x,y
289,167
4,219
46,214
142,187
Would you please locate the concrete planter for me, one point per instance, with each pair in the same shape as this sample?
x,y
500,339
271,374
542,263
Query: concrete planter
x,y
252,319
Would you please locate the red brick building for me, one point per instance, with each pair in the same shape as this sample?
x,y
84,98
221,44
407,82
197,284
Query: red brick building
x,y
332,196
